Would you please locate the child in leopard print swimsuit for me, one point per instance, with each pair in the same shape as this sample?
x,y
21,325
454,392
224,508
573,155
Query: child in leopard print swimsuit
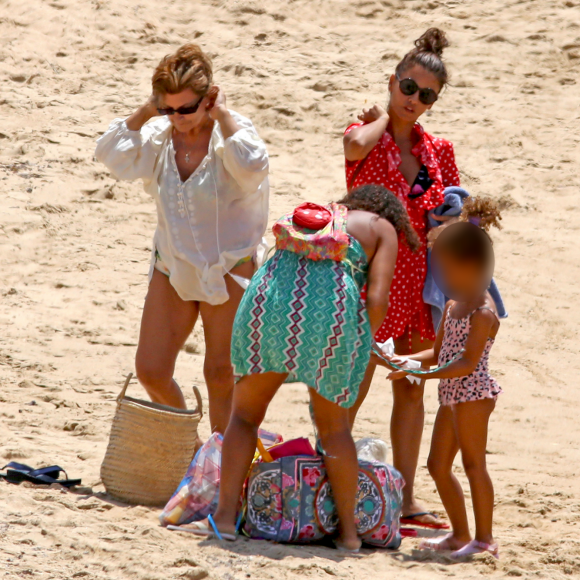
x,y
463,257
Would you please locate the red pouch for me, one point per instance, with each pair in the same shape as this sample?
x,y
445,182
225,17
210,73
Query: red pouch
x,y
311,216
294,447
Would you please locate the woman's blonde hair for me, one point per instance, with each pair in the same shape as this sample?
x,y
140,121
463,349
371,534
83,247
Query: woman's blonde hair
x,y
188,68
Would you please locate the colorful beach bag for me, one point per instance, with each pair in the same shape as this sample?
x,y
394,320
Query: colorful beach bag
x,y
314,231
290,501
197,495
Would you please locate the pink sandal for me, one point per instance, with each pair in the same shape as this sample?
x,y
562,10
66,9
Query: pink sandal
x,y
476,547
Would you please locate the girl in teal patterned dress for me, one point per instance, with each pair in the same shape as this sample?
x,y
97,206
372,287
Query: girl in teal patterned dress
x,y
304,320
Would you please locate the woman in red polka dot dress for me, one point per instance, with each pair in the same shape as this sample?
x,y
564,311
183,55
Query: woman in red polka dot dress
x,y
390,148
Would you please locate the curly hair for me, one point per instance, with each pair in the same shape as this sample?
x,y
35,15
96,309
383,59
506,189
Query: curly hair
x,y
187,68
383,203
481,211
428,53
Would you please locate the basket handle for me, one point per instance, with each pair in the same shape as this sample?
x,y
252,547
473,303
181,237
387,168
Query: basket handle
x,y
197,394
124,389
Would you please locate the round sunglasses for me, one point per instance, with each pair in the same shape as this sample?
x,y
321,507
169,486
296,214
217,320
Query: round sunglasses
x,y
181,110
409,87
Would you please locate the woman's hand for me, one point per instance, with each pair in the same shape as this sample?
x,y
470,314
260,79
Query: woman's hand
x,y
218,111
373,114
143,114
150,107
379,360
359,142
383,359
217,103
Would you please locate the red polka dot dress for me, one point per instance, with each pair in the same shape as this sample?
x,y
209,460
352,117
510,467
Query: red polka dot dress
x,y
381,167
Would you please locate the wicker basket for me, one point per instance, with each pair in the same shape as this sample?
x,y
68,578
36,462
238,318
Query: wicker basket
x,y
150,449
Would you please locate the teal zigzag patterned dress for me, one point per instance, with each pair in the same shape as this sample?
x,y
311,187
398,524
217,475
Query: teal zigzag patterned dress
x,y
306,318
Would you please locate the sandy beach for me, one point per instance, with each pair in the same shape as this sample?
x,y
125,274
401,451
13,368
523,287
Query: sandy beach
x,y
75,246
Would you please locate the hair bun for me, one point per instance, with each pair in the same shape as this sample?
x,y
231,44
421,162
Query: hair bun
x,y
433,40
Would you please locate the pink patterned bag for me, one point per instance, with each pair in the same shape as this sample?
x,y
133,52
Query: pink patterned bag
x,y
198,493
290,501
331,242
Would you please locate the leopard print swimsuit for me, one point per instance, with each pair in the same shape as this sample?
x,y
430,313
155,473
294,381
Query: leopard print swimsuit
x,y
479,384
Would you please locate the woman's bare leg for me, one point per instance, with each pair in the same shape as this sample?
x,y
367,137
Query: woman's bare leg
x,y
444,448
218,322
407,425
166,323
471,423
252,395
332,423
363,391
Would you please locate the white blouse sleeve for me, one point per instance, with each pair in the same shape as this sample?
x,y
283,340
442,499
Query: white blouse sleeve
x,y
245,156
131,154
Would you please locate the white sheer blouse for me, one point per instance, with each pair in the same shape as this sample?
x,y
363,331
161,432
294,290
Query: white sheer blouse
x,y
213,219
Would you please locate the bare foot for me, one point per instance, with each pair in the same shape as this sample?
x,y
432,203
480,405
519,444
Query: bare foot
x,y
204,528
448,543
223,527
352,545
421,516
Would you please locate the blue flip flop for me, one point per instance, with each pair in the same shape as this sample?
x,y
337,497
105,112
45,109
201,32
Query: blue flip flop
x,y
19,472
200,529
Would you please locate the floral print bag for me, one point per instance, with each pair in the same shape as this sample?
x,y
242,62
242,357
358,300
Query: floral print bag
x,y
290,501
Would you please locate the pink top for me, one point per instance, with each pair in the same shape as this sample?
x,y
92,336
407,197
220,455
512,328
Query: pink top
x,y
479,384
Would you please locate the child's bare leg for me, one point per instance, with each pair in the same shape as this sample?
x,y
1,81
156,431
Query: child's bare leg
x,y
471,422
252,395
444,447
341,463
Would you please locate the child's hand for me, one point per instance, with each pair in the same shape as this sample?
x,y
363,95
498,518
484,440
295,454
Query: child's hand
x,y
397,375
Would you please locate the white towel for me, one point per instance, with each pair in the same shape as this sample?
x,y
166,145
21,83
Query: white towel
x,y
388,349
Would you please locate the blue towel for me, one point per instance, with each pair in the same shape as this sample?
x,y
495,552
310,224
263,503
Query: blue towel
x,y
451,206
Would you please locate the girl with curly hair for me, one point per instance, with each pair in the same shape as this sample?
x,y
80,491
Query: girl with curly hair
x,y
327,348
463,258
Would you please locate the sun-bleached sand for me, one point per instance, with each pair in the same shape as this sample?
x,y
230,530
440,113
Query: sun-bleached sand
x,y
74,253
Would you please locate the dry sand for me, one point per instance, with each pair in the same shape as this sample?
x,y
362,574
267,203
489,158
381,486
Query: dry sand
x,y
75,249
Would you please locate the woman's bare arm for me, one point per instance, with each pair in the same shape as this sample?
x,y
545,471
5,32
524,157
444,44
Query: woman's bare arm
x,y
359,142
142,115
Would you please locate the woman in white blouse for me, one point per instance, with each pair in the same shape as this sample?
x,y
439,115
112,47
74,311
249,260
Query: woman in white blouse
x,y
207,171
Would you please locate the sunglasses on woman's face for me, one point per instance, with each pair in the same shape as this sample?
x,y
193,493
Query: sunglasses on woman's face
x,y
181,110
409,87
